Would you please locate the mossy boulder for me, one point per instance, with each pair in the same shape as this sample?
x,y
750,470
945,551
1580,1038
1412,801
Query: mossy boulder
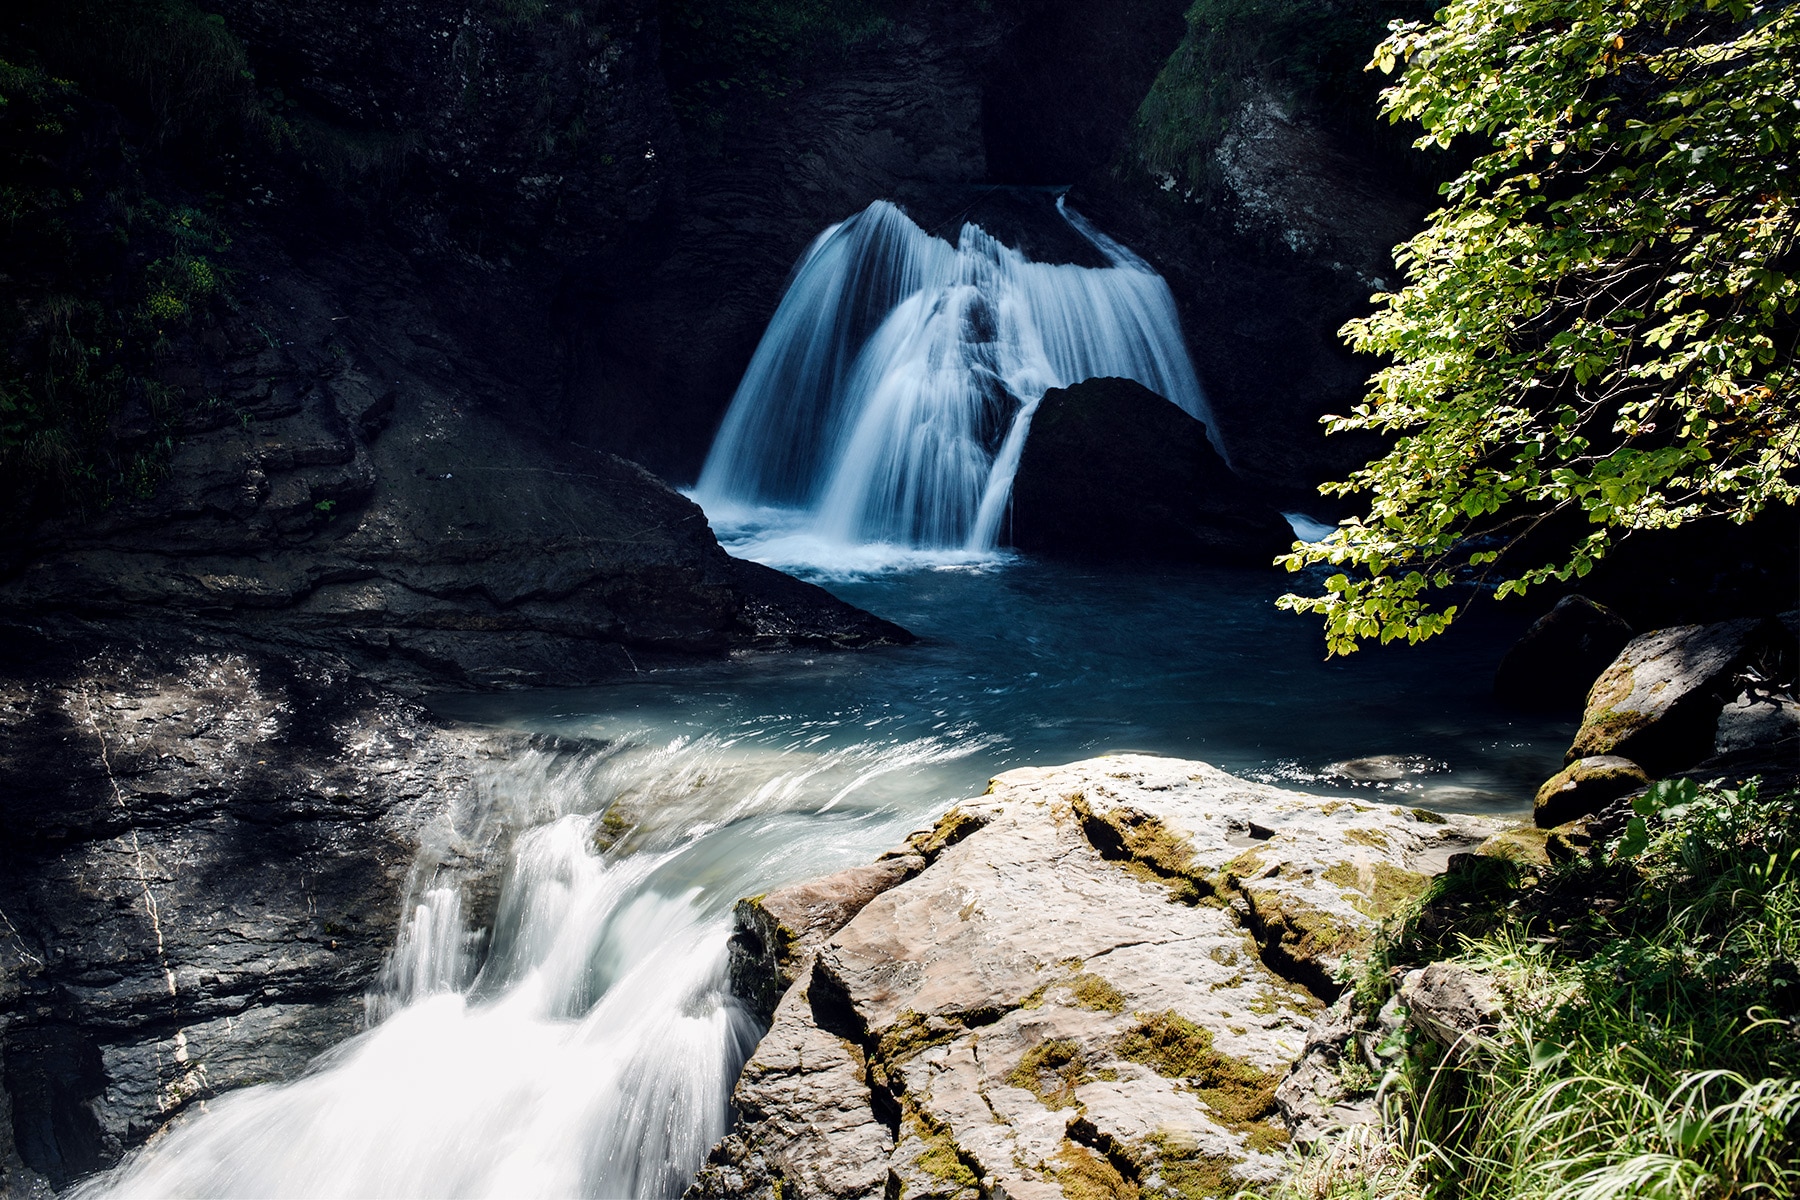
x,y
1584,787
1658,703
1556,661
1112,470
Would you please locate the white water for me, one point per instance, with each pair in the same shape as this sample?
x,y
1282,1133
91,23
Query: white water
x,y
584,1044
881,420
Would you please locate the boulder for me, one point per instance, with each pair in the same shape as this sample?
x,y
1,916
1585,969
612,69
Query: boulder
x,y
1112,470
1454,1005
1093,987
1584,787
1314,1098
1658,703
1756,720
1555,662
1522,844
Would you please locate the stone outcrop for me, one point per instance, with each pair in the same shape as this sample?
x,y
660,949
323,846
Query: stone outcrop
x,y
359,491
1584,787
202,853
1095,982
1658,703
1555,662
1454,1005
1112,470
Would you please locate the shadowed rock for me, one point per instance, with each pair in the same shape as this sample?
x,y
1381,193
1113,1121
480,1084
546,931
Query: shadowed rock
x,y
1584,787
1112,470
1658,703
1556,661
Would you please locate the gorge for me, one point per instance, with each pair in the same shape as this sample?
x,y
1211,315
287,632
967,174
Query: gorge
x,y
503,496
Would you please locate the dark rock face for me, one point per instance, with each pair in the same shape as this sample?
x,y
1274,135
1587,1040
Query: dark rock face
x,y
1556,660
201,853
1112,470
360,492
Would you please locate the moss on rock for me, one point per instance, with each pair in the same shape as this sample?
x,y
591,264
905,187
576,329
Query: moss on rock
x,y
1585,786
1176,1048
1147,848
1052,1071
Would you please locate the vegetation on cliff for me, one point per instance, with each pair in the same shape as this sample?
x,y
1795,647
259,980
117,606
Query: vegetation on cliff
x,y
1649,1045
108,263
723,55
1598,330
1310,55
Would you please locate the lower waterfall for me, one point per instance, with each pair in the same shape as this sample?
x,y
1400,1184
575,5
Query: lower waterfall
x,y
577,1040
889,400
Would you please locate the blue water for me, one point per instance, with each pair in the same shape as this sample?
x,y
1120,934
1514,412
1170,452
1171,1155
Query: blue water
x,y
1029,663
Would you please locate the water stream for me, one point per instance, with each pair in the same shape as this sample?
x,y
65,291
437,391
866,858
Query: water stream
x,y
574,1036
554,1018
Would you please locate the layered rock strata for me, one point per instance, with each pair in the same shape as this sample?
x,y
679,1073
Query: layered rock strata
x,y
1088,980
359,490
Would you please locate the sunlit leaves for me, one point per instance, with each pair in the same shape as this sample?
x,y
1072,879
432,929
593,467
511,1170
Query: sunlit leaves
x,y
1600,321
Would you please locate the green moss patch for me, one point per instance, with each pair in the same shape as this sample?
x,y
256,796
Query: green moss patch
x,y
1378,890
940,1157
1085,1175
1147,848
1185,1172
950,829
1095,993
908,1035
1176,1048
1052,1071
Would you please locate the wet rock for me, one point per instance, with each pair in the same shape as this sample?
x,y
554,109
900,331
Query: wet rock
x,y
1454,1005
1112,470
1555,662
1584,787
1657,704
806,1097
1077,990
1385,768
201,855
444,550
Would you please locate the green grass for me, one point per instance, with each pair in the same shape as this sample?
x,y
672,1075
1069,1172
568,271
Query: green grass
x,y
1649,1048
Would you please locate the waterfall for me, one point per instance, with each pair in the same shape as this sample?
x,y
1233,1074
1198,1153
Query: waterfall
x,y
890,398
580,1038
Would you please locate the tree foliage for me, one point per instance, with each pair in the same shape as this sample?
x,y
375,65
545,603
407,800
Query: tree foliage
x,y
1600,323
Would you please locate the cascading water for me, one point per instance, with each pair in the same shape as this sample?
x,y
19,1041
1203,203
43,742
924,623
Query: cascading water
x,y
581,1041
889,401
